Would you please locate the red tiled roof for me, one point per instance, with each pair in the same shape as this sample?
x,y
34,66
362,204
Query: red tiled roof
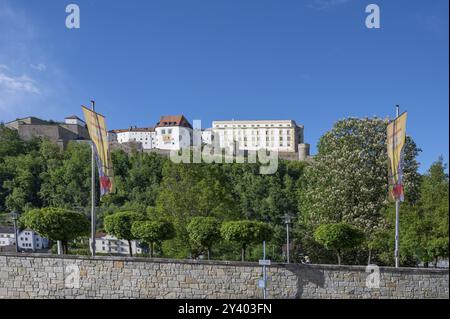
x,y
173,120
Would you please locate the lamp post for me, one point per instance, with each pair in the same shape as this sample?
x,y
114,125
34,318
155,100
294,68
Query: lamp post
x,y
287,220
15,216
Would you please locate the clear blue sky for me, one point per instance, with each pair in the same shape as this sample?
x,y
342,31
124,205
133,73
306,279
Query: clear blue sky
x,y
313,61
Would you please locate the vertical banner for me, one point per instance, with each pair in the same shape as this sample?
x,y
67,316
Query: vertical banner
x,y
97,131
396,135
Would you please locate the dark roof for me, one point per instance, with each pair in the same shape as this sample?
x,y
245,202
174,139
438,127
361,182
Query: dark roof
x,y
134,129
100,234
6,230
73,117
173,120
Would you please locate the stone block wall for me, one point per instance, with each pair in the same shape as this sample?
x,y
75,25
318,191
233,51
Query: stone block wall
x,y
49,276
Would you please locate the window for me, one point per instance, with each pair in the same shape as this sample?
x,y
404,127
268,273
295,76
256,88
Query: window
x,y
163,131
169,131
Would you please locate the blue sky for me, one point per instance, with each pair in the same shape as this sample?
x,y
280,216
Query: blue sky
x,y
313,61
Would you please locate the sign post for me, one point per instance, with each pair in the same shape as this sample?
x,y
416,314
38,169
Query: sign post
x,y
262,283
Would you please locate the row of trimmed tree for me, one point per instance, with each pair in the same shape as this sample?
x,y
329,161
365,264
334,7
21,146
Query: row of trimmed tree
x,y
64,225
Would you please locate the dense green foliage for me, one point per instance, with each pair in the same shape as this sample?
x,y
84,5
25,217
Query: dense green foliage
x,y
346,182
339,237
120,225
56,224
245,233
203,233
151,231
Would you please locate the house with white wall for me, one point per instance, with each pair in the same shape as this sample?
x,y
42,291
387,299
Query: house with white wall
x,y
108,244
30,240
173,132
7,236
144,136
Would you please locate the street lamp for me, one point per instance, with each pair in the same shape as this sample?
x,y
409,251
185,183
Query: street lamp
x,y
15,215
287,220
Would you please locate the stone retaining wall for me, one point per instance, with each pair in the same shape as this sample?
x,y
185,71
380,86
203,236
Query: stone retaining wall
x,y
49,276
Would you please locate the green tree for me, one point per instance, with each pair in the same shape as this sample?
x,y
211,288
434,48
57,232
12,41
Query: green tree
x,y
203,233
152,231
425,234
57,224
347,180
245,233
339,237
120,225
23,183
66,180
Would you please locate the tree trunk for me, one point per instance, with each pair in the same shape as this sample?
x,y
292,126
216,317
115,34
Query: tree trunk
x,y
209,253
65,247
151,250
338,257
129,246
369,260
243,253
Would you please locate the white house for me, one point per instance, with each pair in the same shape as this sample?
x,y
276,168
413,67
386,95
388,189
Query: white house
x,y
7,237
145,136
173,132
107,244
30,240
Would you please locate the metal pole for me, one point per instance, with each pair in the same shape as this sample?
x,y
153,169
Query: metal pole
x,y
264,270
287,243
15,234
397,217
93,192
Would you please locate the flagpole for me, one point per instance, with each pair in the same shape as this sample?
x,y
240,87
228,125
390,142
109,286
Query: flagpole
x,y
93,191
397,214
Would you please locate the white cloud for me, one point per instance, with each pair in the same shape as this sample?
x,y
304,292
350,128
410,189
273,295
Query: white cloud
x,y
3,67
326,4
38,67
18,84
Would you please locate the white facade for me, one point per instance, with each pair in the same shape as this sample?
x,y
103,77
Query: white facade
x,y
74,120
29,240
7,237
172,132
207,136
173,137
145,136
107,244
281,136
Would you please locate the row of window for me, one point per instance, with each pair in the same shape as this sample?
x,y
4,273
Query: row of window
x,y
245,144
245,138
252,125
265,132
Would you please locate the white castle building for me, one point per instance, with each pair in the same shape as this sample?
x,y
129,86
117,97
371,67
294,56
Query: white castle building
x,y
166,135
283,136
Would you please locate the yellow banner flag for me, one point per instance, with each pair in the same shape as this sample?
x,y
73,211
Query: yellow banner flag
x,y
396,136
97,131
